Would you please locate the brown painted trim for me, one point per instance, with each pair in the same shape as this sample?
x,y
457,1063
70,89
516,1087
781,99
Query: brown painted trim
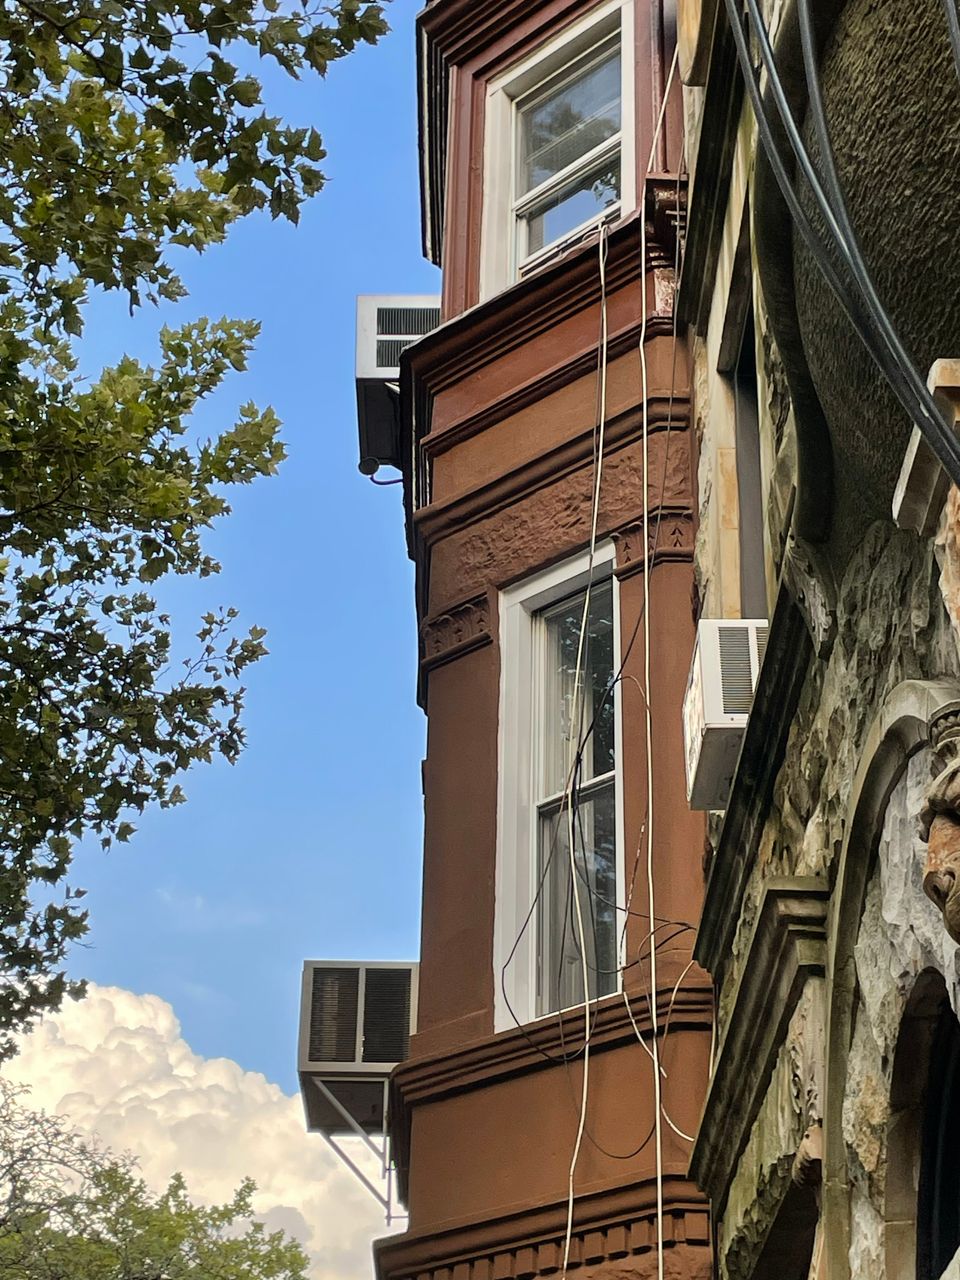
x,y
455,632
555,379
670,539
788,946
520,1050
609,1223
440,519
540,301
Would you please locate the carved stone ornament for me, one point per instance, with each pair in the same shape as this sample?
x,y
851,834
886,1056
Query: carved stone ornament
x,y
808,1164
455,631
670,538
940,820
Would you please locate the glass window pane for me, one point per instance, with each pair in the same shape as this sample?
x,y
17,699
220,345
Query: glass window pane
x,y
563,125
576,202
596,703
595,852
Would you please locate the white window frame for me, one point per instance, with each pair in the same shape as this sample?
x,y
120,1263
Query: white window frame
x,y
518,760
501,260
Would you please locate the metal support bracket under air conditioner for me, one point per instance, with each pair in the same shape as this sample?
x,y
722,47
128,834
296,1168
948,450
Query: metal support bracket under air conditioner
x,y
384,1198
923,484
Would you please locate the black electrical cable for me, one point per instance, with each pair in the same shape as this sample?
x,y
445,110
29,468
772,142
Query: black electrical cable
x,y
910,388
953,26
851,305
831,180
873,322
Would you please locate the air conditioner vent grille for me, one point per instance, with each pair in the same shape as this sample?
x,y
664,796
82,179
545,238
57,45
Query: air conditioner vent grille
x,y
407,322
389,351
735,674
386,1015
333,1014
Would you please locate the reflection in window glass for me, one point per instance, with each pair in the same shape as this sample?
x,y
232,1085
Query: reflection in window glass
x,y
571,120
579,201
566,718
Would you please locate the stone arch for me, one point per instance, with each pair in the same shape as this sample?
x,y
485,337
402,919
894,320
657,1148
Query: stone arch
x,y
898,732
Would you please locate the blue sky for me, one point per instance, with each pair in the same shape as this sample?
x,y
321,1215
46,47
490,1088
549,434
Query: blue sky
x,y
310,846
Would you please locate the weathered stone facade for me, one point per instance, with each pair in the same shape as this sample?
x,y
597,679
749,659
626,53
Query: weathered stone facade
x,y
818,1169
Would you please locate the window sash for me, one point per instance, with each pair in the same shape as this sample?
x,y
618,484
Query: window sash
x,y
559,965
523,204
552,84
594,878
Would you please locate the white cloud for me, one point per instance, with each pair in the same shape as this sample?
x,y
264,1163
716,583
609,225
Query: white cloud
x,y
115,1064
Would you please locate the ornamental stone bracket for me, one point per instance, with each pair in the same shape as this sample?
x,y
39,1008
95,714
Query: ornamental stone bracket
x,y
939,820
788,946
670,537
666,212
454,632
809,580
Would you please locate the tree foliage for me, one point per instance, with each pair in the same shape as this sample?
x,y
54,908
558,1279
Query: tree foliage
x,y
127,128
69,1210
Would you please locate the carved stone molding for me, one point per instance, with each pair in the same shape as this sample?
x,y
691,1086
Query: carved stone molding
x,y
670,537
454,632
611,1225
788,946
508,540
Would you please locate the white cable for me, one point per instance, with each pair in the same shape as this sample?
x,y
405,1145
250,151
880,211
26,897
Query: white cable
x,y
578,674
575,723
648,720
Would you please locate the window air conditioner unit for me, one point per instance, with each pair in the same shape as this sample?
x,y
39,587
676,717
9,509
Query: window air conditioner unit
x,y
386,325
355,1026
720,688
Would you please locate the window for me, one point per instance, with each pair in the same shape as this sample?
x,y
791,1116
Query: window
x,y
568,151
557,135
543,717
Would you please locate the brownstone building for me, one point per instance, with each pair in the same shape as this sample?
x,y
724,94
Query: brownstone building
x,y
548,466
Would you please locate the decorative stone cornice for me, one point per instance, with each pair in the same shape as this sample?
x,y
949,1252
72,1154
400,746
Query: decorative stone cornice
x,y
454,632
538,1046
616,1223
541,302
668,444
787,947
580,365
670,538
